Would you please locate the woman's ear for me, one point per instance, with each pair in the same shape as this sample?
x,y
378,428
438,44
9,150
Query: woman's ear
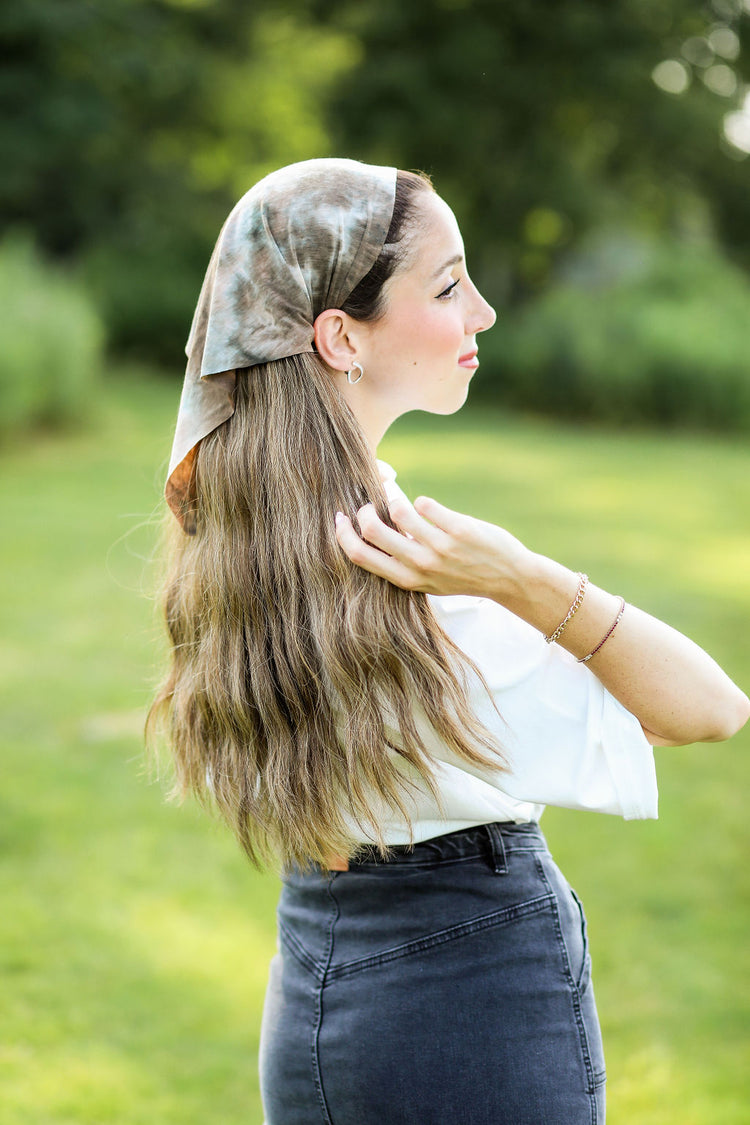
x,y
332,340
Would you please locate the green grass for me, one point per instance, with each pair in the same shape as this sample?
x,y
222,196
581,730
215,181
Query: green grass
x,y
134,939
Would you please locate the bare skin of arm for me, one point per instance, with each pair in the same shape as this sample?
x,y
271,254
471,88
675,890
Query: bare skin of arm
x,y
674,688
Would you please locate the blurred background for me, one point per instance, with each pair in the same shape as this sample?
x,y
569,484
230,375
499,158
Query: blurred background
x,y
597,156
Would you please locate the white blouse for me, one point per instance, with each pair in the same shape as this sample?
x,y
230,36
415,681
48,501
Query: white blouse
x,y
567,741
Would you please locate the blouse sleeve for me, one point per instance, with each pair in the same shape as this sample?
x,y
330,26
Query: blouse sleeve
x,y
567,740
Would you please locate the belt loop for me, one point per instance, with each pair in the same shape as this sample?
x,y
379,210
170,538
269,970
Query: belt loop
x,y
497,849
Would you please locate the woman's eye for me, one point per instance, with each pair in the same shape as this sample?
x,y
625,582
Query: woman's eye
x,y
447,292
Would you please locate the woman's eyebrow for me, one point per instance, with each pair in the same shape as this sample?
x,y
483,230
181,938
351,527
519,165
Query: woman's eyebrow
x,y
451,262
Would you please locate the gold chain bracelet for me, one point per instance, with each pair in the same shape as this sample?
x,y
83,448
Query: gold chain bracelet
x,y
574,607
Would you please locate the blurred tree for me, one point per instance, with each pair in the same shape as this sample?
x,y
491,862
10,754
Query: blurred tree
x,y
132,126
129,127
539,121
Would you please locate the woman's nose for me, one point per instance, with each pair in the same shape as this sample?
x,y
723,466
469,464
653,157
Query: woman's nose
x,y
483,316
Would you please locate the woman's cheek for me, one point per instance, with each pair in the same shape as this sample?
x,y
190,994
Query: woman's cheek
x,y
447,332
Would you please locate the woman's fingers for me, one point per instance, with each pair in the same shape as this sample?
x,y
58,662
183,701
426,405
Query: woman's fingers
x,y
411,554
445,519
370,557
388,539
433,549
408,520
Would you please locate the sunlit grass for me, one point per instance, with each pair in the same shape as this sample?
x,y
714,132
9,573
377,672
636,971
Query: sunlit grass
x,y
134,939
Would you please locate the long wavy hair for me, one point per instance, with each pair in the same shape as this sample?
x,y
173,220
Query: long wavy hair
x,y
299,682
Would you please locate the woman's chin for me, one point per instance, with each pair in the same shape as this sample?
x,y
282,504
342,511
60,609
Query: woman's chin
x,y
446,404
457,401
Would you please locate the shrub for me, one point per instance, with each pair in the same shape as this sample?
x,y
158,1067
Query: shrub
x,y
632,332
52,341
146,293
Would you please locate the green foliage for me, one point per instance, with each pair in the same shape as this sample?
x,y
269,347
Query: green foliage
x,y
635,331
132,127
52,336
147,267
534,118
129,128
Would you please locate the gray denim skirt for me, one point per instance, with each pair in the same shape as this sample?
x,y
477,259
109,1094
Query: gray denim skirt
x,y
449,985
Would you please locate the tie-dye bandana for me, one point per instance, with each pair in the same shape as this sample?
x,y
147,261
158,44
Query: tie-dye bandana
x,y
297,243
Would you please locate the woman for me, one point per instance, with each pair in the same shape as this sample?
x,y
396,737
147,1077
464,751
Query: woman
x,y
386,703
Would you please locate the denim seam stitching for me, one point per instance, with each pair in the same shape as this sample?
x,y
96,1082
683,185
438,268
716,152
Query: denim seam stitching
x,y
439,861
327,954
298,951
575,998
440,937
418,865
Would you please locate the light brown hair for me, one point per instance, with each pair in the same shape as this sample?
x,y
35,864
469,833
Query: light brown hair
x,y
296,676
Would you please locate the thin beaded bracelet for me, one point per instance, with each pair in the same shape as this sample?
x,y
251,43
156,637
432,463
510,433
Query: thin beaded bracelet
x,y
574,607
607,635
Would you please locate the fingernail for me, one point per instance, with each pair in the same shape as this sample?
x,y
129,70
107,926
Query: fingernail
x,y
339,518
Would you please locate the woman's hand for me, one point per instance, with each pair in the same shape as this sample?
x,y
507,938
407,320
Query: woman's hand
x,y
436,550
672,686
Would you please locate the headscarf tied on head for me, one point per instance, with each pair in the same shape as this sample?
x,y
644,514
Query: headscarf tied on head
x,y
298,242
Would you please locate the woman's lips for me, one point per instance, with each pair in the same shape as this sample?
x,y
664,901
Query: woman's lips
x,y
469,360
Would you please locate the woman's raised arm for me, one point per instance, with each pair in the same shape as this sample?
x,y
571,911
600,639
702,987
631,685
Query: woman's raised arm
x,y
674,688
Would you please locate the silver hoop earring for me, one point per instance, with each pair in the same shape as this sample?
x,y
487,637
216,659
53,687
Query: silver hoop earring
x,y
349,373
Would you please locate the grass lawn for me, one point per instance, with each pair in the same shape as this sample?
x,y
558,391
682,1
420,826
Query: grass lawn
x,y
134,938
